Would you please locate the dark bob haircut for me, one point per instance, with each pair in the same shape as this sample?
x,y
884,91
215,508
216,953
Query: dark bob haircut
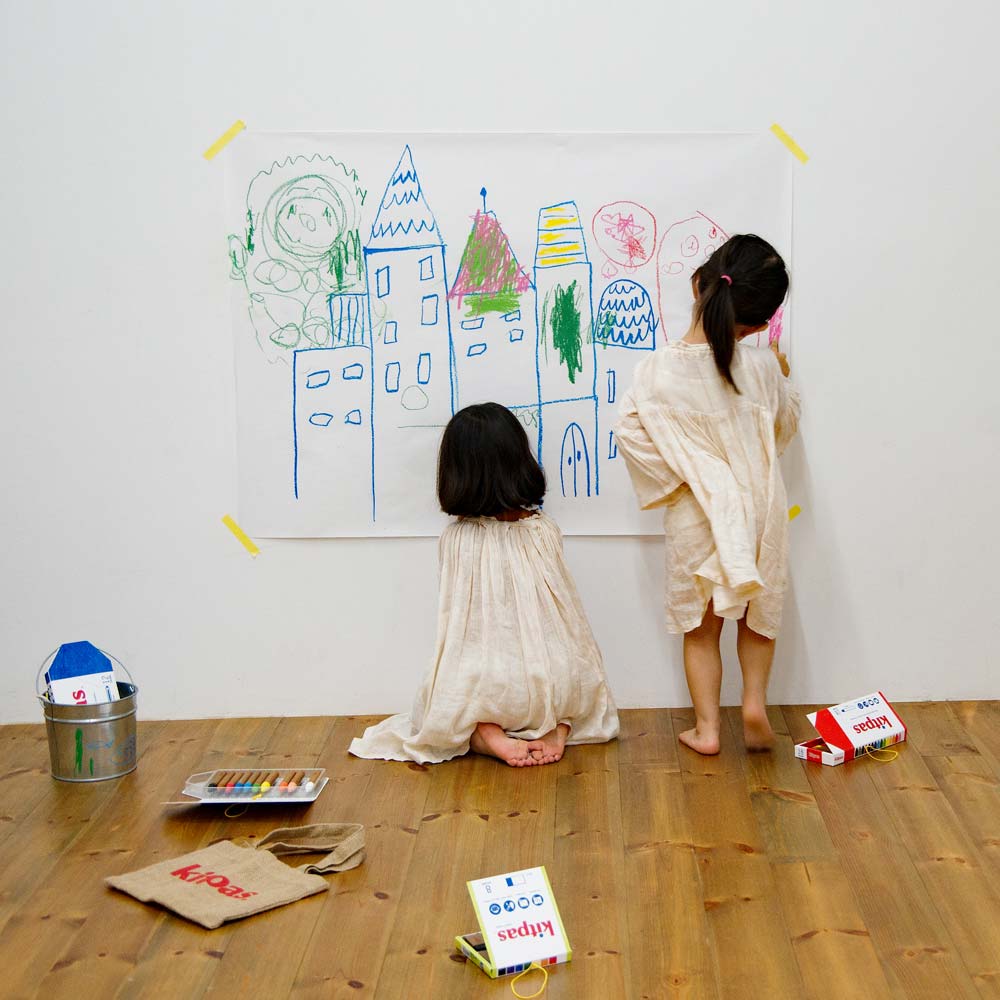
x,y
485,465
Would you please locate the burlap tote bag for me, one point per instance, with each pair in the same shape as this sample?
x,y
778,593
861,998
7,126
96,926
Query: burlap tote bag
x,y
228,882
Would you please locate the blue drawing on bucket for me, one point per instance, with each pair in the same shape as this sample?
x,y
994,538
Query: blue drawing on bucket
x,y
396,349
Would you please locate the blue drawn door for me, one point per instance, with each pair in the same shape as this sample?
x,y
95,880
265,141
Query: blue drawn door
x,y
574,467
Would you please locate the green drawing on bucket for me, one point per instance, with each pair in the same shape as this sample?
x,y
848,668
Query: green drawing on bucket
x,y
91,766
561,319
79,751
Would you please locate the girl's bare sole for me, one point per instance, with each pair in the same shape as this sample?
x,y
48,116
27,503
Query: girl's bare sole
x,y
490,740
550,747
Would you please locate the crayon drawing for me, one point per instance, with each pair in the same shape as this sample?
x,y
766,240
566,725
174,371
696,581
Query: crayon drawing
x,y
375,334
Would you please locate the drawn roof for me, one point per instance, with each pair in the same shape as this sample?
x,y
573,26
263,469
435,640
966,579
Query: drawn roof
x,y
488,265
404,218
560,236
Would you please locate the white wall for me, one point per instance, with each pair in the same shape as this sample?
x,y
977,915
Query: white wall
x,y
116,370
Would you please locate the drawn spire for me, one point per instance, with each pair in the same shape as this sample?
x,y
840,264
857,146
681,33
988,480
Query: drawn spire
x,y
404,218
489,270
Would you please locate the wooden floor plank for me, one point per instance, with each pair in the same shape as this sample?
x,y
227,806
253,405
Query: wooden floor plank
x,y
981,722
958,883
831,940
917,952
753,954
668,932
287,929
179,952
973,791
588,873
450,845
789,820
71,933
24,751
388,798
933,730
647,737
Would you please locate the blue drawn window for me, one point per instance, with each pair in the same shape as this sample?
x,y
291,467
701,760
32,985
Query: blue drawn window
x,y
516,335
429,310
426,268
512,317
382,282
612,445
473,324
353,372
392,377
612,385
424,369
475,350
389,337
315,380
321,419
353,417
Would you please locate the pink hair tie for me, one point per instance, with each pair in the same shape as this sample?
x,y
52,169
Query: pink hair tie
x,y
727,279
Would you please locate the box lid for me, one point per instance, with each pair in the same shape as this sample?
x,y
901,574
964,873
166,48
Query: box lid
x,y
518,916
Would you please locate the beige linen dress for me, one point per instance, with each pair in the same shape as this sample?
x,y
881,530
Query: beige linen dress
x,y
709,457
514,647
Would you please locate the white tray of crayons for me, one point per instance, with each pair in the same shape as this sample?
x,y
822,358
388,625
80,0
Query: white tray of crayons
x,y
269,786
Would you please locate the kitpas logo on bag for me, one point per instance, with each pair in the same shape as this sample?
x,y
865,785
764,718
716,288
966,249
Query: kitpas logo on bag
x,y
191,873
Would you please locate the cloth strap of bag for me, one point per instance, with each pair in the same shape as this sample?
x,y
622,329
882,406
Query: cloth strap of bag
x,y
344,842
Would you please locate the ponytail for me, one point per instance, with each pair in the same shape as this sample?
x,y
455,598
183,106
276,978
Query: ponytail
x,y
741,284
718,319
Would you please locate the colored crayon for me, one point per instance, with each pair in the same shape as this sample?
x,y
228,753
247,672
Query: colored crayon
x,y
218,778
293,782
283,782
269,781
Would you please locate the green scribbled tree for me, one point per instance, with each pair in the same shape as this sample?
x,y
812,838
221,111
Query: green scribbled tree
x,y
561,319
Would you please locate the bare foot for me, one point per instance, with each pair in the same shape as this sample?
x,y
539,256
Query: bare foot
x,y
757,732
706,743
491,741
549,748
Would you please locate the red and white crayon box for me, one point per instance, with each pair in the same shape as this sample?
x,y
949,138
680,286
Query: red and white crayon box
x,y
852,729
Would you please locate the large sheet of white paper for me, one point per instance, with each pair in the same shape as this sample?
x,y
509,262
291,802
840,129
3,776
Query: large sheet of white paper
x,y
381,282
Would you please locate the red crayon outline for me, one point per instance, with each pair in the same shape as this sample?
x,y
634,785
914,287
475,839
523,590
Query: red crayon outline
x,y
659,253
597,238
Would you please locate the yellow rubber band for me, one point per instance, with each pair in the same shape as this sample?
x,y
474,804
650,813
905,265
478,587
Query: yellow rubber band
x,y
893,754
232,815
539,991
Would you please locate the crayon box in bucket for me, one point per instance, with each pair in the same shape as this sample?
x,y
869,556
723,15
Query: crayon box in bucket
x,y
90,740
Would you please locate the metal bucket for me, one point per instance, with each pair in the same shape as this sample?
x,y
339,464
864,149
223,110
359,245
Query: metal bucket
x,y
91,742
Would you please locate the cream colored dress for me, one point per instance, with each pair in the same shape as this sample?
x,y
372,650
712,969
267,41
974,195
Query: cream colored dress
x,y
514,647
709,458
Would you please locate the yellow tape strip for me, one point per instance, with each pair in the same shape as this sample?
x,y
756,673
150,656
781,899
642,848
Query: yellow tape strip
x,y
224,139
793,147
793,512
243,537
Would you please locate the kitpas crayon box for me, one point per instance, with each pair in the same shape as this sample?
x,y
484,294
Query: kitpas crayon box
x,y
852,729
519,924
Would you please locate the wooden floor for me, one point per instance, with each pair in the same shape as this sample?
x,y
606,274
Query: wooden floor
x,y
677,876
